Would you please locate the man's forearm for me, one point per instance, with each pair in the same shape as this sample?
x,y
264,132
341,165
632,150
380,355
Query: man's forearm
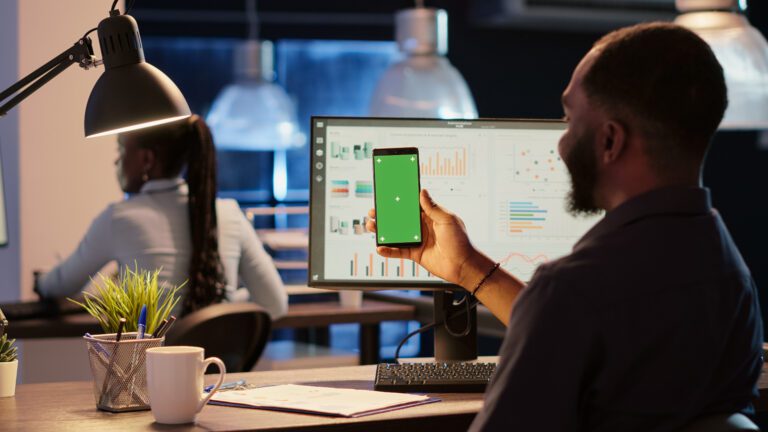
x,y
498,292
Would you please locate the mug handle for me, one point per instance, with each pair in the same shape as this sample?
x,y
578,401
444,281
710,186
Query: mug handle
x,y
222,370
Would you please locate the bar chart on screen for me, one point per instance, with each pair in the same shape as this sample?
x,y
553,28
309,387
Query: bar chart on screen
x,y
371,265
523,217
444,162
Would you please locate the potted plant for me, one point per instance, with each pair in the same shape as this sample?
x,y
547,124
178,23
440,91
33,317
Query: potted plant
x,y
118,356
124,296
9,365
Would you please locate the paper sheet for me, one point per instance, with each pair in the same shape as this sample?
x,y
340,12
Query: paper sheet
x,y
319,400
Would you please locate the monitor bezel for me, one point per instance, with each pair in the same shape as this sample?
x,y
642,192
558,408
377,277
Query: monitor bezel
x,y
364,285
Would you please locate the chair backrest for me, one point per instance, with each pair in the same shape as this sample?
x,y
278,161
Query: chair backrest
x,y
234,332
722,423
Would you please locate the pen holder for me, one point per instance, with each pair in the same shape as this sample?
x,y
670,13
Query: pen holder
x,y
119,371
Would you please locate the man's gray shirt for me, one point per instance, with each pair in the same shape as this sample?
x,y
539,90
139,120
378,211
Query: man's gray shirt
x,y
652,321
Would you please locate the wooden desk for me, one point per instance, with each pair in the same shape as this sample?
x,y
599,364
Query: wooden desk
x,y
319,314
761,403
71,406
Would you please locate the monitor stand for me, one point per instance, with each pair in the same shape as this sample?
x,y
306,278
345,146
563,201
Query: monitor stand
x,y
452,347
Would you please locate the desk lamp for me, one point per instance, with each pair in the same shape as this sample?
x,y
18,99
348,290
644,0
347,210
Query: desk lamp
x,y
424,84
741,50
130,94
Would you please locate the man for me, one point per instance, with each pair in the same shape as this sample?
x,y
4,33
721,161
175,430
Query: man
x,y
653,319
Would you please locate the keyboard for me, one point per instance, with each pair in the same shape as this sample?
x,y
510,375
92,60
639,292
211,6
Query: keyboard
x,y
39,309
459,377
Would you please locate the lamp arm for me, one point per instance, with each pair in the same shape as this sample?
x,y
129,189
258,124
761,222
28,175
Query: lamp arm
x,y
81,53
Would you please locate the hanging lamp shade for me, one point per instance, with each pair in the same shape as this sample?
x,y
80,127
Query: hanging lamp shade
x,y
254,113
130,94
424,84
741,50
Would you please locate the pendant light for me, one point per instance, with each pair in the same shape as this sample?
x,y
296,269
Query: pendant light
x,y
253,113
424,84
740,49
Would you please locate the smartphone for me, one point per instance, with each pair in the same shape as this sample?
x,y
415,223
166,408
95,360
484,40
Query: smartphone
x,y
396,196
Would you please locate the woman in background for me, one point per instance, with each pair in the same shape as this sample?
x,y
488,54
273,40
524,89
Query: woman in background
x,y
176,226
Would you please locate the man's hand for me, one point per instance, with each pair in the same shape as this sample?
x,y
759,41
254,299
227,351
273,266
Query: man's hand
x,y
445,247
447,252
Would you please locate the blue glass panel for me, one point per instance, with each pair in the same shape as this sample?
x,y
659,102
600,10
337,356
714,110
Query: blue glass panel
x,y
201,68
327,78
322,77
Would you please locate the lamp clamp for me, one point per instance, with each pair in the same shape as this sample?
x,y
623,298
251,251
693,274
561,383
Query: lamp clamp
x,y
83,54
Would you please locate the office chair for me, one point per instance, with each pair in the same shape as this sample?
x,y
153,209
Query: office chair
x,y
234,332
722,423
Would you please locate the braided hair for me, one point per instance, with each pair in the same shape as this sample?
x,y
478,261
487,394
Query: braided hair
x,y
189,143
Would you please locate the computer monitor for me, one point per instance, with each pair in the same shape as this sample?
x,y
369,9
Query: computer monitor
x,y
3,223
503,177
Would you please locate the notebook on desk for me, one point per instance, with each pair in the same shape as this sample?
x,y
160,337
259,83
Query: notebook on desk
x,y
327,401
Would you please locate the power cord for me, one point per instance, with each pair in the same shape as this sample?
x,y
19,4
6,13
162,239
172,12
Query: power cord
x,y
130,6
127,9
470,302
468,328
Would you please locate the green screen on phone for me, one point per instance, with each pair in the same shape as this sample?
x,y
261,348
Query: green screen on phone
x,y
398,215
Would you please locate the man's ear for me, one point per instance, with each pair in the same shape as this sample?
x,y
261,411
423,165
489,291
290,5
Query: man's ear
x,y
611,141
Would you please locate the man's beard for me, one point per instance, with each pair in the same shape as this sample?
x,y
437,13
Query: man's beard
x,y
582,166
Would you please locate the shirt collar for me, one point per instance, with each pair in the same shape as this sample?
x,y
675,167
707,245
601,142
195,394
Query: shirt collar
x,y
165,185
678,200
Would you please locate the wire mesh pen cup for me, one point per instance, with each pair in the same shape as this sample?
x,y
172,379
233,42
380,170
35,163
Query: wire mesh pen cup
x,y
119,371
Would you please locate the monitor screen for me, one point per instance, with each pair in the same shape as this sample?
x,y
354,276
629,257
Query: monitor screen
x,y
3,224
504,178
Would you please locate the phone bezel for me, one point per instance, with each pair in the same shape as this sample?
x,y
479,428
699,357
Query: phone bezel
x,y
392,152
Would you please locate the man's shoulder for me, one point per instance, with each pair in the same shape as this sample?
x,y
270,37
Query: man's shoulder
x,y
580,265
573,277
592,273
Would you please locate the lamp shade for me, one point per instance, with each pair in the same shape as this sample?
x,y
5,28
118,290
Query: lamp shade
x,y
743,53
425,87
424,84
130,94
254,113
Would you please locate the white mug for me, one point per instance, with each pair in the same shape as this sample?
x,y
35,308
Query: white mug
x,y
175,382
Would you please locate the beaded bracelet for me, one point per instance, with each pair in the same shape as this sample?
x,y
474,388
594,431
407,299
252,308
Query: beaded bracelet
x,y
487,275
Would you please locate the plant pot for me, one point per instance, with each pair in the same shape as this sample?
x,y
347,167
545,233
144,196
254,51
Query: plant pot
x,y
8,378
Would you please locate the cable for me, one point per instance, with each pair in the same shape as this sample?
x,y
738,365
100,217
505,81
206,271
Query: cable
x,y
253,19
469,305
130,6
411,334
89,32
114,3
468,327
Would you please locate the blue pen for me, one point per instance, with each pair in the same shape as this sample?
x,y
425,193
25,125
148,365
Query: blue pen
x,y
142,322
225,386
98,346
